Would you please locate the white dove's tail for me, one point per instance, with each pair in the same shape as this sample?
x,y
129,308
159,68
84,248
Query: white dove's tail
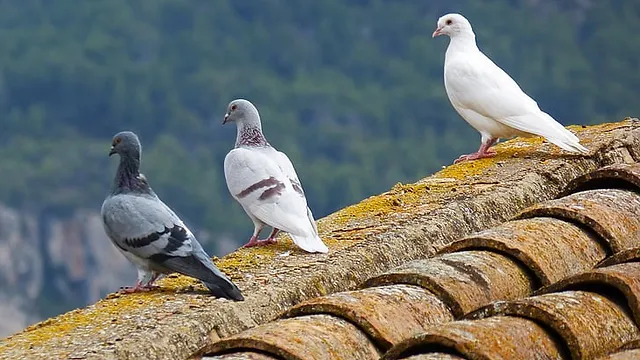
x,y
310,243
563,138
542,124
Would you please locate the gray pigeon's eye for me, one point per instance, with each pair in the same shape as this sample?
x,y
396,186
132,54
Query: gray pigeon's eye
x,y
449,22
233,107
117,141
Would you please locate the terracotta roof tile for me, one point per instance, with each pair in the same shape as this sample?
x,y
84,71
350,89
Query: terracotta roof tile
x,y
247,355
611,213
616,176
435,356
589,323
387,314
498,337
623,279
560,280
464,280
550,248
628,351
305,337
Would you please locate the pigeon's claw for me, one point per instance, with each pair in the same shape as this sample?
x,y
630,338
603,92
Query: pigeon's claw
x,y
137,288
256,242
475,156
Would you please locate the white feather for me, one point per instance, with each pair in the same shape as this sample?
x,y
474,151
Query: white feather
x,y
490,100
287,211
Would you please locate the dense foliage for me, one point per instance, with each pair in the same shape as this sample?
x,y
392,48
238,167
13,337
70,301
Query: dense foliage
x,y
350,89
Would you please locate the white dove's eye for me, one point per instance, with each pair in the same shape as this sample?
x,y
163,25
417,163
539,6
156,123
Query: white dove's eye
x,y
233,107
449,22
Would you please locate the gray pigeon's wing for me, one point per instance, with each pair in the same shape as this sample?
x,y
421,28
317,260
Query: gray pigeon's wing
x,y
145,227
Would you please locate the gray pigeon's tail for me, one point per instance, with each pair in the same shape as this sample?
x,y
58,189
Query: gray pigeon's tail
x,y
217,282
224,289
200,266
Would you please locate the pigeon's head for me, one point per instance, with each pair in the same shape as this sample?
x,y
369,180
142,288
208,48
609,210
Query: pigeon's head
x,y
242,112
125,143
452,25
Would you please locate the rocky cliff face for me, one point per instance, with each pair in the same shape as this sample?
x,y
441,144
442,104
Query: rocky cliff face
x,y
50,264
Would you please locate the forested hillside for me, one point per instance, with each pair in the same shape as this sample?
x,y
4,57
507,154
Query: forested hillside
x,y
350,89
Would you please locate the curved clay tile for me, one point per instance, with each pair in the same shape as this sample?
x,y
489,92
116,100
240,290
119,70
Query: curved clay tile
x,y
435,356
610,213
623,256
499,337
388,314
617,176
633,354
590,324
464,280
552,249
245,355
623,277
302,338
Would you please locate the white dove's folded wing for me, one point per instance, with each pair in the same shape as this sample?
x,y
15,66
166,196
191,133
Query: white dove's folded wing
x,y
483,87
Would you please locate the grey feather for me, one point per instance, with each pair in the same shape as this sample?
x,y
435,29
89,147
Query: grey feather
x,y
149,233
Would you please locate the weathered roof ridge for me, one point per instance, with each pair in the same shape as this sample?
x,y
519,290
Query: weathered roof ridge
x,y
411,221
530,284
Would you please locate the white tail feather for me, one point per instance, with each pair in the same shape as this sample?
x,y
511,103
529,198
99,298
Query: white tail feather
x,y
310,243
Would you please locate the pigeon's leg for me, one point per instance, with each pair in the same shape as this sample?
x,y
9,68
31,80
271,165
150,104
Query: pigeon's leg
x,y
137,288
271,239
154,277
254,238
483,152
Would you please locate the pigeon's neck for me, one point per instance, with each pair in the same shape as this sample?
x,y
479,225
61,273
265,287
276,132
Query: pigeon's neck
x,y
128,178
463,42
250,135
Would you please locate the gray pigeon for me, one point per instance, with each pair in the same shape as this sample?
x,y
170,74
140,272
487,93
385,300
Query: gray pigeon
x,y
149,233
263,180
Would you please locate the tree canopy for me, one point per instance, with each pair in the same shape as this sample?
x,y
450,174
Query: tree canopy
x,y
351,90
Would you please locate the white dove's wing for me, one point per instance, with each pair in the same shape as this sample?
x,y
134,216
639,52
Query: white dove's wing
x,y
262,188
475,83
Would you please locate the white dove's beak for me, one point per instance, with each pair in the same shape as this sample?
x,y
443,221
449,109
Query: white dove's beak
x,y
438,32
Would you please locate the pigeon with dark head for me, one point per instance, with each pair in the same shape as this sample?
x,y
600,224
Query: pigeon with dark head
x,y
149,233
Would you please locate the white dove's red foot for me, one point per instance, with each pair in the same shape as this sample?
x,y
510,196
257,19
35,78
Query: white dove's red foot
x,y
270,240
482,153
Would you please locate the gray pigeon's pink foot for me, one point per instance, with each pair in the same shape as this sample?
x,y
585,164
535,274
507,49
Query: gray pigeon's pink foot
x,y
475,156
137,288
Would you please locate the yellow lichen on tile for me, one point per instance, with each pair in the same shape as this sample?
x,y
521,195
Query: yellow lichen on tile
x,y
92,319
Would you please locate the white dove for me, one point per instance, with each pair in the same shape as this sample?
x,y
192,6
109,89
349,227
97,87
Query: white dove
x,y
488,98
264,182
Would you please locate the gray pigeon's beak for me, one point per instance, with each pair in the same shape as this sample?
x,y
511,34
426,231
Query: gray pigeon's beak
x,y
112,151
226,119
438,32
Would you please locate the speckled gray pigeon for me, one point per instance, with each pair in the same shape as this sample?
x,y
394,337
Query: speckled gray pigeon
x,y
263,180
149,233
